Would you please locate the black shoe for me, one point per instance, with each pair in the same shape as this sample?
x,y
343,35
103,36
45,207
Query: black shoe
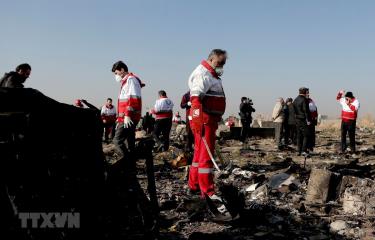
x,y
191,192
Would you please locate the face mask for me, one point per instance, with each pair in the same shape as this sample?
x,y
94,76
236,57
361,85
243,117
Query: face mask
x,y
219,71
118,78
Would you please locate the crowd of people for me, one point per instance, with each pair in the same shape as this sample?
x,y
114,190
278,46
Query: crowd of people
x,y
295,122
205,103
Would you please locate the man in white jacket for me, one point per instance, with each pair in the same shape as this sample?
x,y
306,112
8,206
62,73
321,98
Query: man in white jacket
x,y
278,119
208,104
163,111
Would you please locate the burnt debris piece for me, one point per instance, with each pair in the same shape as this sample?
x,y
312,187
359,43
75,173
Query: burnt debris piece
x,y
52,161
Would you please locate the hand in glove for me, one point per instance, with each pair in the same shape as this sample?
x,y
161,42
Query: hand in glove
x,y
127,122
189,103
196,115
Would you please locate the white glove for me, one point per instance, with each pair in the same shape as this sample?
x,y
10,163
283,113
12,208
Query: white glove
x,y
189,103
127,122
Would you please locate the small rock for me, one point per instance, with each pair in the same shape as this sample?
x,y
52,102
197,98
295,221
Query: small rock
x,y
319,237
260,192
260,234
337,226
252,187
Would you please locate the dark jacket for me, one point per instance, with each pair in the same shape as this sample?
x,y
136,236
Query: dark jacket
x,y
301,109
12,80
286,113
245,111
291,115
184,104
184,101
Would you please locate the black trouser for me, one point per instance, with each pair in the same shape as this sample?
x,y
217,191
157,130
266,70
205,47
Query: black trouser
x,y
245,129
290,133
109,128
311,137
148,127
190,137
348,127
293,133
302,135
122,135
278,133
162,127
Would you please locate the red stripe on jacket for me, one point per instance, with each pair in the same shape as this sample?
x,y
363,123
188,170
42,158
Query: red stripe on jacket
x,y
131,107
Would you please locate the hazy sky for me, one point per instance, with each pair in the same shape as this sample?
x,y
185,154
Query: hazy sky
x,y
274,47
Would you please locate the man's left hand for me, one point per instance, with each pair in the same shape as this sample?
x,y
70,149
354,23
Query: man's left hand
x,y
127,122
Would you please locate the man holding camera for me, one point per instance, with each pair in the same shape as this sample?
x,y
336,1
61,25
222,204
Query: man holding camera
x,y
350,106
246,109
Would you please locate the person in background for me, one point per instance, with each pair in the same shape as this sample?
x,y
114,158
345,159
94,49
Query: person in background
x,y
177,118
314,122
278,119
163,111
148,123
290,124
82,103
108,114
349,113
15,79
230,122
303,120
78,103
207,108
129,111
186,104
246,109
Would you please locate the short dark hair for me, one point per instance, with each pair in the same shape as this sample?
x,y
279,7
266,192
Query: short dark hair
x,y
216,52
303,90
349,95
23,67
243,99
162,93
119,65
109,99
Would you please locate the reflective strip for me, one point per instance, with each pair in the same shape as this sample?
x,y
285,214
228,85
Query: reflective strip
x,y
195,93
215,94
210,95
164,111
218,96
205,170
131,109
133,96
206,110
195,164
129,97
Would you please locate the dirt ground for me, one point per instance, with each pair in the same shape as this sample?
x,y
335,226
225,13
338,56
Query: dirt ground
x,y
273,186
